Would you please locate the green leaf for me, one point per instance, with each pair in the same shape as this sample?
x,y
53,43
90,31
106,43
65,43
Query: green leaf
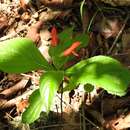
x,y
21,55
34,109
83,38
65,40
101,71
55,53
66,34
49,84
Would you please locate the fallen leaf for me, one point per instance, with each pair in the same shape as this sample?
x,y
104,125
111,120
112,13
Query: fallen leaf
x,y
118,123
33,32
3,23
26,17
56,3
110,27
22,105
24,3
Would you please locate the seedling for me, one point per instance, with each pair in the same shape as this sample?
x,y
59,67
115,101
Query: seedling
x,y
21,55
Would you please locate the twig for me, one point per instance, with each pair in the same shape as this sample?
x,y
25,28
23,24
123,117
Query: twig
x,y
83,112
118,35
61,105
56,125
80,114
90,121
12,90
99,9
14,101
80,122
118,123
12,35
91,21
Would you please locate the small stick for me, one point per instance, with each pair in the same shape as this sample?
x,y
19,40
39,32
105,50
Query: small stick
x,y
118,35
14,89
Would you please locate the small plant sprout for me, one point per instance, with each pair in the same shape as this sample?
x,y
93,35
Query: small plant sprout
x,y
20,55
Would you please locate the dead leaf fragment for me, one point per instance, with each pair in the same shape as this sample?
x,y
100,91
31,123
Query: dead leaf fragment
x,y
118,123
22,105
24,3
33,32
26,17
14,89
110,27
56,3
3,22
126,41
112,105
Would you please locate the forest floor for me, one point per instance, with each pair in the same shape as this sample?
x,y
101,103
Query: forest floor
x,y
108,29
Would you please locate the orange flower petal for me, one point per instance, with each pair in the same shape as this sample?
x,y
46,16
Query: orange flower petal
x,y
71,49
54,37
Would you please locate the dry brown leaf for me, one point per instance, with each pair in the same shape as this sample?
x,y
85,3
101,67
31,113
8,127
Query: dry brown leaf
x,y
26,17
112,105
124,56
126,41
118,123
22,105
56,3
24,3
116,2
33,32
110,27
3,22
14,89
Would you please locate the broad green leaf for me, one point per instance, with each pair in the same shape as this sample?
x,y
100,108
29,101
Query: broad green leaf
x,y
49,84
101,71
21,55
66,40
34,109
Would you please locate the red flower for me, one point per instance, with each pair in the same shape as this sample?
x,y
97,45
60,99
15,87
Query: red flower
x,y
54,37
71,49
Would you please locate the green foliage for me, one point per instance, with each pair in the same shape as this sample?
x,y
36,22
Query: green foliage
x,y
55,52
65,34
43,97
49,84
36,105
20,55
101,71
66,39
